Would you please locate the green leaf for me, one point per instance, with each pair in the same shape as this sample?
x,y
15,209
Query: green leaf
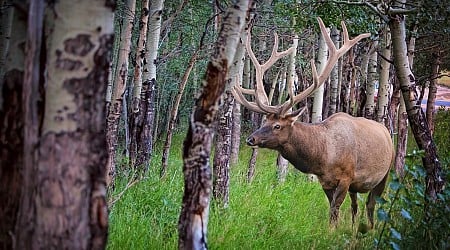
x,y
380,200
395,234
394,245
395,185
406,214
382,215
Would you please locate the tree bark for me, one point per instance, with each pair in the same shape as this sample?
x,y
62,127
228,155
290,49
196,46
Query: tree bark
x,y
434,179
11,124
383,90
7,13
64,198
135,115
238,70
334,79
120,83
221,167
369,108
33,109
193,221
432,90
322,56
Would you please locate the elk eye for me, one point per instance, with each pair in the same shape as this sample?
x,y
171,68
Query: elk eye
x,y
277,126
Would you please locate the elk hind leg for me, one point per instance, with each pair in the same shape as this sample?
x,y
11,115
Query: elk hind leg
x,y
376,192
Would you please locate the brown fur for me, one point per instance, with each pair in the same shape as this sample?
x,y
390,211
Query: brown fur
x,y
347,154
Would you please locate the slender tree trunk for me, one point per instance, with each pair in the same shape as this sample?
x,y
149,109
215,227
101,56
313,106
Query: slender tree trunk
x,y
225,130
11,122
120,81
434,179
237,117
432,90
282,163
221,167
322,56
147,124
369,108
64,198
193,221
174,113
383,90
136,116
334,79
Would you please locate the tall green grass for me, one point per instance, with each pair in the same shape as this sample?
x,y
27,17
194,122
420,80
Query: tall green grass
x,y
266,214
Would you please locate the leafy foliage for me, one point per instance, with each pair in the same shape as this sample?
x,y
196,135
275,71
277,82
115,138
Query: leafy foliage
x,y
408,218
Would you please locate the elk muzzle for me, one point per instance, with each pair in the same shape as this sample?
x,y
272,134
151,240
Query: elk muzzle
x,y
251,141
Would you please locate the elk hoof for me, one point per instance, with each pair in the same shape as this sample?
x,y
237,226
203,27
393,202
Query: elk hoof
x,y
363,228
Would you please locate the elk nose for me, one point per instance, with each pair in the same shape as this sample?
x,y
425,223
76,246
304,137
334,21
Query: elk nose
x,y
250,141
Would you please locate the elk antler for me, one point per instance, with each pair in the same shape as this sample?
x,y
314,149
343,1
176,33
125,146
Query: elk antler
x,y
261,104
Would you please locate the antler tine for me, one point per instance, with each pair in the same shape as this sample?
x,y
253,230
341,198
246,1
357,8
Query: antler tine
x,y
261,104
333,57
238,91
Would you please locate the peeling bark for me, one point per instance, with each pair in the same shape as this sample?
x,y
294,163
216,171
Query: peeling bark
x,y
64,199
193,221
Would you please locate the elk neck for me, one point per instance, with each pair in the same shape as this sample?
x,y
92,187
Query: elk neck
x,y
306,147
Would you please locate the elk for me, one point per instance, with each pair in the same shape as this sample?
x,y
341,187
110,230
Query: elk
x,y
347,154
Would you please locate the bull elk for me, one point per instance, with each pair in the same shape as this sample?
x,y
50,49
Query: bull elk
x,y
347,154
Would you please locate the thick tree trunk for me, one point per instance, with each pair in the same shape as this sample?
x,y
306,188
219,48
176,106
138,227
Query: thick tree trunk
x,y
120,84
193,221
11,123
434,179
65,195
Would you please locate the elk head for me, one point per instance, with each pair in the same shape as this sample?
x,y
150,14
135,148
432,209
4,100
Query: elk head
x,y
275,131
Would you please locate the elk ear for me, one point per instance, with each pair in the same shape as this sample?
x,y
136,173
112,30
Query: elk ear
x,y
294,115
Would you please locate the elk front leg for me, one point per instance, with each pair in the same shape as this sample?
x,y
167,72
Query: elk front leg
x,y
338,198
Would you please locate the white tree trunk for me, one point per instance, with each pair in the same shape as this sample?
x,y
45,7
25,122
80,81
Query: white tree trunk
x,y
318,94
322,57
372,79
120,83
384,85
282,163
334,79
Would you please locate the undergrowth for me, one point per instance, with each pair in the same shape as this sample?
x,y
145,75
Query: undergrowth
x,y
266,214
